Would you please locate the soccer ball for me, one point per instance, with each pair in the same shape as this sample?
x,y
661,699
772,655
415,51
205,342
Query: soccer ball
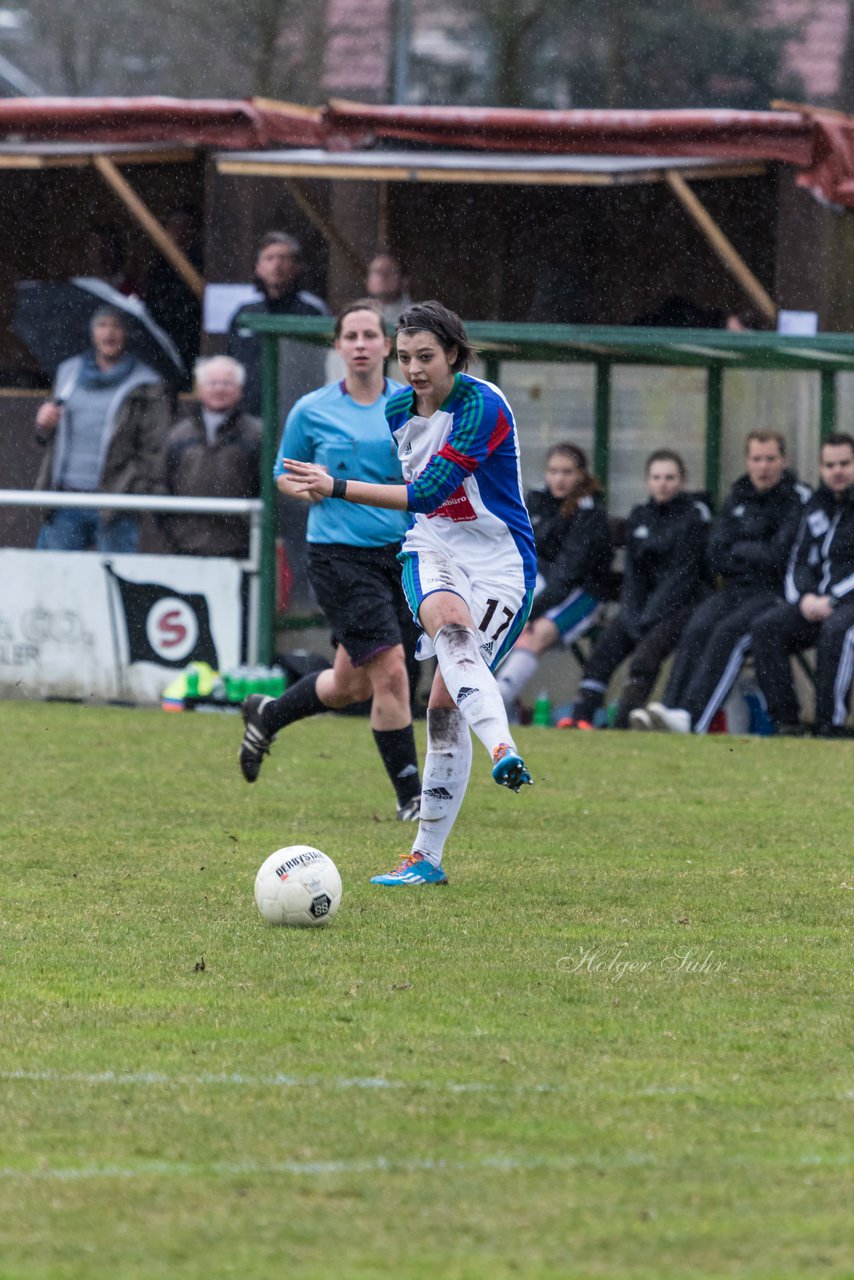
x,y
298,886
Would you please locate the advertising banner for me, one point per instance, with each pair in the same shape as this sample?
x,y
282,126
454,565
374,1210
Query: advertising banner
x,y
78,624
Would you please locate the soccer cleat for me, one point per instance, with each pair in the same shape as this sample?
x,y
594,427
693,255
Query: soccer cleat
x,y
413,870
411,811
641,719
569,722
256,741
669,719
508,768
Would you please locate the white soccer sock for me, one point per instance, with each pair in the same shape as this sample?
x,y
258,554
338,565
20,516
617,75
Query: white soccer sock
x,y
447,766
471,684
515,672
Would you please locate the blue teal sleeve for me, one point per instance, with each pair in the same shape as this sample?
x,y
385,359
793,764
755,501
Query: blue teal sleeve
x,y
480,426
296,439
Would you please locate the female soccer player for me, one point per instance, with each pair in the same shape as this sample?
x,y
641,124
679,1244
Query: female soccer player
x,y
469,560
341,429
573,557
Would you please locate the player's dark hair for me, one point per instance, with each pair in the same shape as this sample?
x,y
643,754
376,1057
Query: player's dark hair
x,y
588,486
666,455
445,326
361,304
838,438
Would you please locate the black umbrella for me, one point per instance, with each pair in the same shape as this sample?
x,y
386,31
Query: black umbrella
x,y
53,320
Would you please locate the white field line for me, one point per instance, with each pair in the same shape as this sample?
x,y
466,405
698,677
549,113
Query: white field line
x,y
300,1168
378,1165
278,1081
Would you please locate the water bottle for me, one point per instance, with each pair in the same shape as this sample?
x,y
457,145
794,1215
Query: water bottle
x,y
192,685
542,714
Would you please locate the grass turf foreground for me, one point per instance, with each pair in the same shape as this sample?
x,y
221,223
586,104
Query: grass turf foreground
x,y
617,1045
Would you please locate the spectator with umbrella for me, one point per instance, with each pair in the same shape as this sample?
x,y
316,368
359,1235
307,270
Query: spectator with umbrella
x,y
104,431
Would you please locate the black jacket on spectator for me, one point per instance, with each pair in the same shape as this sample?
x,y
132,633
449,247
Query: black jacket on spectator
x,y
572,551
822,559
195,468
245,346
751,539
665,554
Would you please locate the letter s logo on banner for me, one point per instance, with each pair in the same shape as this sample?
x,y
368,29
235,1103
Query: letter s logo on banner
x,y
172,629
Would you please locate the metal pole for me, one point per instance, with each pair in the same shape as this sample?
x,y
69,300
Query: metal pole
x,y
491,367
401,51
828,403
714,418
269,444
602,422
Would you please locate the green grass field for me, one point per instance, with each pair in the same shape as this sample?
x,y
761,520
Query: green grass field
x,y
619,1044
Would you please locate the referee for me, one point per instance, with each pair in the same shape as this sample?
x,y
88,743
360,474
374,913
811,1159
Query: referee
x,y
352,563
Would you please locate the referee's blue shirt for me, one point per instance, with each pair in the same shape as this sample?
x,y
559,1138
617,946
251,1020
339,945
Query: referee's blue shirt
x,y
353,442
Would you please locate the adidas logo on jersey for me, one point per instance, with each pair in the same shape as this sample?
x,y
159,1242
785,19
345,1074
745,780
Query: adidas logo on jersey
x,y
464,693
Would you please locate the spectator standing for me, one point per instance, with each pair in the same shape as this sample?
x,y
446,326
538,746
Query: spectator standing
x,y
302,368
749,547
213,451
820,603
388,284
278,265
662,583
103,431
573,558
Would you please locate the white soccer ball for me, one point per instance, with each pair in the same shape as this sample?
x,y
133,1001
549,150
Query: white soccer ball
x,y
298,886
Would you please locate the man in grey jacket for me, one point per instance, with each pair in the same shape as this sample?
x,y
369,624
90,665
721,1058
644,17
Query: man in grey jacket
x,y
104,431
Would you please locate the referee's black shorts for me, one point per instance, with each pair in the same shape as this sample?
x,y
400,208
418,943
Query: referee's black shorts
x,y
359,590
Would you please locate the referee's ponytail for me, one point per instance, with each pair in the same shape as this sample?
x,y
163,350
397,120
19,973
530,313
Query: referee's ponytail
x,y
445,325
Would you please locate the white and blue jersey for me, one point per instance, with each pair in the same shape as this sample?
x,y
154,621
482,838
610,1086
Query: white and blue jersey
x,y
470,530
463,474
351,440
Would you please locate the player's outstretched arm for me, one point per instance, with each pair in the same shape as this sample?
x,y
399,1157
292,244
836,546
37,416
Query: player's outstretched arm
x,y
310,479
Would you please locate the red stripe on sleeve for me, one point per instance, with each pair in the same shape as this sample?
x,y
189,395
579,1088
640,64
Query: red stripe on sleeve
x,y
448,451
500,432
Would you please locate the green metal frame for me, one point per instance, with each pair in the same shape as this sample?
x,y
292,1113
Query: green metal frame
x,y
604,346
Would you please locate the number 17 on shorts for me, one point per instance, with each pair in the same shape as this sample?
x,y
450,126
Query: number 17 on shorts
x,y
497,599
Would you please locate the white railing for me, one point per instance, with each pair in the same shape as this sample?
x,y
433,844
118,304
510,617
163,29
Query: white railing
x,y
250,507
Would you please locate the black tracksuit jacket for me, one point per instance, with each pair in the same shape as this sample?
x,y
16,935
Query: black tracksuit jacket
x,y
752,538
665,560
572,551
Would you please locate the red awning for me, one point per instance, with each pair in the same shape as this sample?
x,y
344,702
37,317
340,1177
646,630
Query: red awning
x,y
819,144
202,122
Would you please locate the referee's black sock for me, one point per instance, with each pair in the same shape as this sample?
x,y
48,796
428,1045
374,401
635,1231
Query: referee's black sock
x,y
397,749
296,703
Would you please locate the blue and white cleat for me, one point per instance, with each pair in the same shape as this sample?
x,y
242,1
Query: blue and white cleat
x,y
508,768
413,870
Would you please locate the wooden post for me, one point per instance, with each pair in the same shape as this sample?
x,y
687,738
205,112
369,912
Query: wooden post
x,y
153,229
326,228
723,247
